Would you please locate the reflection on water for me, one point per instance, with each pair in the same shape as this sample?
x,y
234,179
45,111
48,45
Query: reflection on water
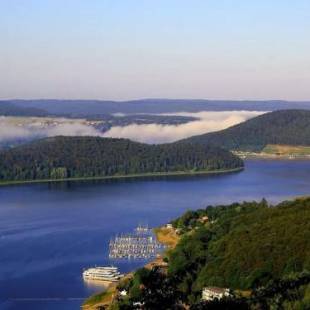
x,y
96,285
50,232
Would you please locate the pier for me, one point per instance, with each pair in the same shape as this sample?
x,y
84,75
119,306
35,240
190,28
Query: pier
x,y
141,244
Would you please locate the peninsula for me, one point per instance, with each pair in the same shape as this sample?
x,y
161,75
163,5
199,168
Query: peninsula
x,y
78,158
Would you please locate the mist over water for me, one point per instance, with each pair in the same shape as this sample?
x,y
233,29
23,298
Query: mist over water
x,y
25,128
30,128
207,122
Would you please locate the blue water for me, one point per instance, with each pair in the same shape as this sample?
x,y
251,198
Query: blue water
x,y
50,232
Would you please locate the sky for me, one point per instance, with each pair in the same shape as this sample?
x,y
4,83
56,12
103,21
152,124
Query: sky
x,y
129,49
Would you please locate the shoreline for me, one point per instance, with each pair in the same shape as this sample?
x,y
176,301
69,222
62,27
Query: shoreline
x,y
271,156
129,176
275,157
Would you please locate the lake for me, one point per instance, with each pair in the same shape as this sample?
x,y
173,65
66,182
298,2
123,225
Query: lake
x,y
50,232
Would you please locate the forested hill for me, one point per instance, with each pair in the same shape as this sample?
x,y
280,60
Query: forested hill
x,y
247,243
79,157
287,127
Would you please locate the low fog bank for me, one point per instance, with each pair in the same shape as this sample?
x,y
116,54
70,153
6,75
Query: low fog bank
x,y
208,122
16,129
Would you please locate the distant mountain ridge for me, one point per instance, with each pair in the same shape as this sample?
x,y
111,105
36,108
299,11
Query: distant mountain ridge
x,y
147,106
8,108
285,127
91,157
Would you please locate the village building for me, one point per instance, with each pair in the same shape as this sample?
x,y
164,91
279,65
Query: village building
x,y
210,293
203,219
123,293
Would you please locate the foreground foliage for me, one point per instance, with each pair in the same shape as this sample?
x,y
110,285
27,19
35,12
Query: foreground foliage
x,y
151,288
244,246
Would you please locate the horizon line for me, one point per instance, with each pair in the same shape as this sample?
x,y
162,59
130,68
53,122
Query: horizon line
x,y
156,98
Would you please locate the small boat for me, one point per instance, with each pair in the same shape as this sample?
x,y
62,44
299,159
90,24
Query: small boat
x,y
108,274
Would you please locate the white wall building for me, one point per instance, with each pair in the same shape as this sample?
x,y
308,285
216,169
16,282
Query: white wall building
x,y
210,293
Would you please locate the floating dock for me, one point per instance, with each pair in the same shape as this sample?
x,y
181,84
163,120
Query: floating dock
x,y
141,244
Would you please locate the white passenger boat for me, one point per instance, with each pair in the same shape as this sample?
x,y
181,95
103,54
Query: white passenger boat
x,y
109,274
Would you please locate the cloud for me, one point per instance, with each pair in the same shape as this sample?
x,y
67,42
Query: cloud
x,y
208,122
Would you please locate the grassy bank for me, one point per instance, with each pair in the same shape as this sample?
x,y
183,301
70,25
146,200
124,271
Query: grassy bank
x,y
167,236
102,299
289,150
277,152
129,176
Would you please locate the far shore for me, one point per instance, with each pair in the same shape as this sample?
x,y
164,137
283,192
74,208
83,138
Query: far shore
x,y
275,157
129,176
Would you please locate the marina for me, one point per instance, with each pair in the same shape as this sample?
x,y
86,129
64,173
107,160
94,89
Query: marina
x,y
141,244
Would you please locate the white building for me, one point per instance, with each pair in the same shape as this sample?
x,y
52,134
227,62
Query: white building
x,y
210,293
123,293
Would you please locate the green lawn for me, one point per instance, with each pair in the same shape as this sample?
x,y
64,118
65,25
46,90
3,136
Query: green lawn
x,y
286,149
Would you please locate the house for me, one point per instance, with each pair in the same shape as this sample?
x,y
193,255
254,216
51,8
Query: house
x,y
203,219
169,225
210,293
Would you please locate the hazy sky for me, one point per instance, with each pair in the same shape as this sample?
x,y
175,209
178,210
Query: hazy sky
x,y
124,49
